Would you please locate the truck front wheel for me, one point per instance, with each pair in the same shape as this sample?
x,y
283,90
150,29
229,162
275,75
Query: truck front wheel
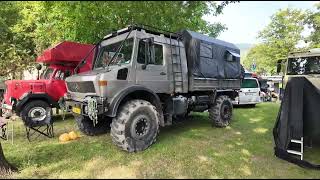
x,y
85,125
35,113
221,112
136,126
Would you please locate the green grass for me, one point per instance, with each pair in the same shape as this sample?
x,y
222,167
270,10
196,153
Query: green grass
x,y
192,149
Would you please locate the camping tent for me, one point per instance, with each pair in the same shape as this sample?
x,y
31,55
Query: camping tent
x,y
298,121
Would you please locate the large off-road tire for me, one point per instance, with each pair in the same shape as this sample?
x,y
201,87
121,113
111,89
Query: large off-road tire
x,y
85,125
136,126
221,111
34,113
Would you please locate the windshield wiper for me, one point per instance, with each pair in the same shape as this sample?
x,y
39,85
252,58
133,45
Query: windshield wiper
x,y
119,48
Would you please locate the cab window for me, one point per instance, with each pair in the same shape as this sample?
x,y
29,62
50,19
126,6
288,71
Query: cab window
x,y
158,50
59,75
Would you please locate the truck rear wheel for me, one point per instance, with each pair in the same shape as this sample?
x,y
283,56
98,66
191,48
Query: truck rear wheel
x,y
221,112
136,126
35,113
85,125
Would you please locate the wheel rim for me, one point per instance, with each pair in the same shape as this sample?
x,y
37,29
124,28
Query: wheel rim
x,y
37,114
226,112
141,127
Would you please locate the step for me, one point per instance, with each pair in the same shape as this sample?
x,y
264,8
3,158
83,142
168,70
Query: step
x,y
296,141
294,152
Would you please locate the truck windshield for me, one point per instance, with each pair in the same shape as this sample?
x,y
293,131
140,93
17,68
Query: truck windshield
x,y
47,73
106,53
304,65
249,83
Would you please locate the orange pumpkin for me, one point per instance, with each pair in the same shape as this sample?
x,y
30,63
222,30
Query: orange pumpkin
x,y
64,137
73,135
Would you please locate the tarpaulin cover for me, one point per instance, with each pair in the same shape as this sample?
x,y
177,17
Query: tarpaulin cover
x,y
299,116
66,52
207,57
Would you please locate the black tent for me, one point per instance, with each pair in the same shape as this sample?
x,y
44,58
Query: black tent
x,y
298,121
211,58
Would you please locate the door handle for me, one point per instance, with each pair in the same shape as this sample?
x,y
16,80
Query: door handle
x,y
162,73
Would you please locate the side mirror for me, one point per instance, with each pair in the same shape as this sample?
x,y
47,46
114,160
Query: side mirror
x,y
38,67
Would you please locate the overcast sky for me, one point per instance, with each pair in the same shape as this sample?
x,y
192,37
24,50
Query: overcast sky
x,y
245,19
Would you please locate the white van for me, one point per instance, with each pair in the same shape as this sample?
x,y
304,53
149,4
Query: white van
x,y
249,92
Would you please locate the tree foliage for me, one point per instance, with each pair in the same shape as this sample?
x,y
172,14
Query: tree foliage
x,y
278,38
27,28
314,22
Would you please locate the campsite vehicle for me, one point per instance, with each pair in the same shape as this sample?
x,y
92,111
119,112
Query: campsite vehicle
x,y
32,99
297,123
250,92
300,64
144,78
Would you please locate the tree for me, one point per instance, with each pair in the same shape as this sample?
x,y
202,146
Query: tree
x,y
5,167
34,26
278,38
15,49
313,21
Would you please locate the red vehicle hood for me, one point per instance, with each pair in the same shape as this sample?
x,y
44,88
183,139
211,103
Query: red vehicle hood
x,y
15,88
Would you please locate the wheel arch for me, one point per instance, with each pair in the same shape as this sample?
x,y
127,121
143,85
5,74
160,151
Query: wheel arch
x,y
135,92
32,97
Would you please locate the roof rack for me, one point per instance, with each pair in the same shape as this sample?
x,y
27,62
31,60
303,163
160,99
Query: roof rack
x,y
146,28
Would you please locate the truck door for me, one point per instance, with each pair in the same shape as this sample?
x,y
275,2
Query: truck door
x,y
154,76
57,87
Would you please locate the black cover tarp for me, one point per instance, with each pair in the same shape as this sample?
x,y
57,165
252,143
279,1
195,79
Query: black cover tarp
x,y
299,116
207,56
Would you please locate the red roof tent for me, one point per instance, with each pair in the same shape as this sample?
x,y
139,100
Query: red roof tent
x,y
65,52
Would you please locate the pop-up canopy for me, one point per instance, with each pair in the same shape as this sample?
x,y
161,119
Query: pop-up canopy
x,y
66,52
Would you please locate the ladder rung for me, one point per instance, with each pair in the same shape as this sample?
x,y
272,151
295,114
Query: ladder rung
x,y
294,152
296,141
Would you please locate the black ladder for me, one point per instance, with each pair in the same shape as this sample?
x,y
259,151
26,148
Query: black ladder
x,y
176,66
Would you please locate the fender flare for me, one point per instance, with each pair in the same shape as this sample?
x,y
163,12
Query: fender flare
x,y
114,104
32,96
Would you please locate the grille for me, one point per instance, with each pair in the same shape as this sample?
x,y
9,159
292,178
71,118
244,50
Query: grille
x,y
81,87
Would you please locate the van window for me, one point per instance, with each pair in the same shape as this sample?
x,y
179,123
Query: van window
x,y
249,83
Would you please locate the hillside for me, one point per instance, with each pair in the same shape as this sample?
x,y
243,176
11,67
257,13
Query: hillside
x,y
244,47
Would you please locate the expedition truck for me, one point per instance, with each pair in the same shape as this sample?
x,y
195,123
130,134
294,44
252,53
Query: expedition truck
x,y
304,63
144,78
31,98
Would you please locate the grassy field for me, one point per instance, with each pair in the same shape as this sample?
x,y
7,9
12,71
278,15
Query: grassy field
x,y
192,149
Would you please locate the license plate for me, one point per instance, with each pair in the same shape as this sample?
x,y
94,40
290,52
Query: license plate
x,y
249,93
76,110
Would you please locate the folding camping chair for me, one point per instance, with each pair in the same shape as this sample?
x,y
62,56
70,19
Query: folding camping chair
x,y
6,128
36,129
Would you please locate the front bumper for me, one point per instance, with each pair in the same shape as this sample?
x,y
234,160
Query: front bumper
x,y
81,108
